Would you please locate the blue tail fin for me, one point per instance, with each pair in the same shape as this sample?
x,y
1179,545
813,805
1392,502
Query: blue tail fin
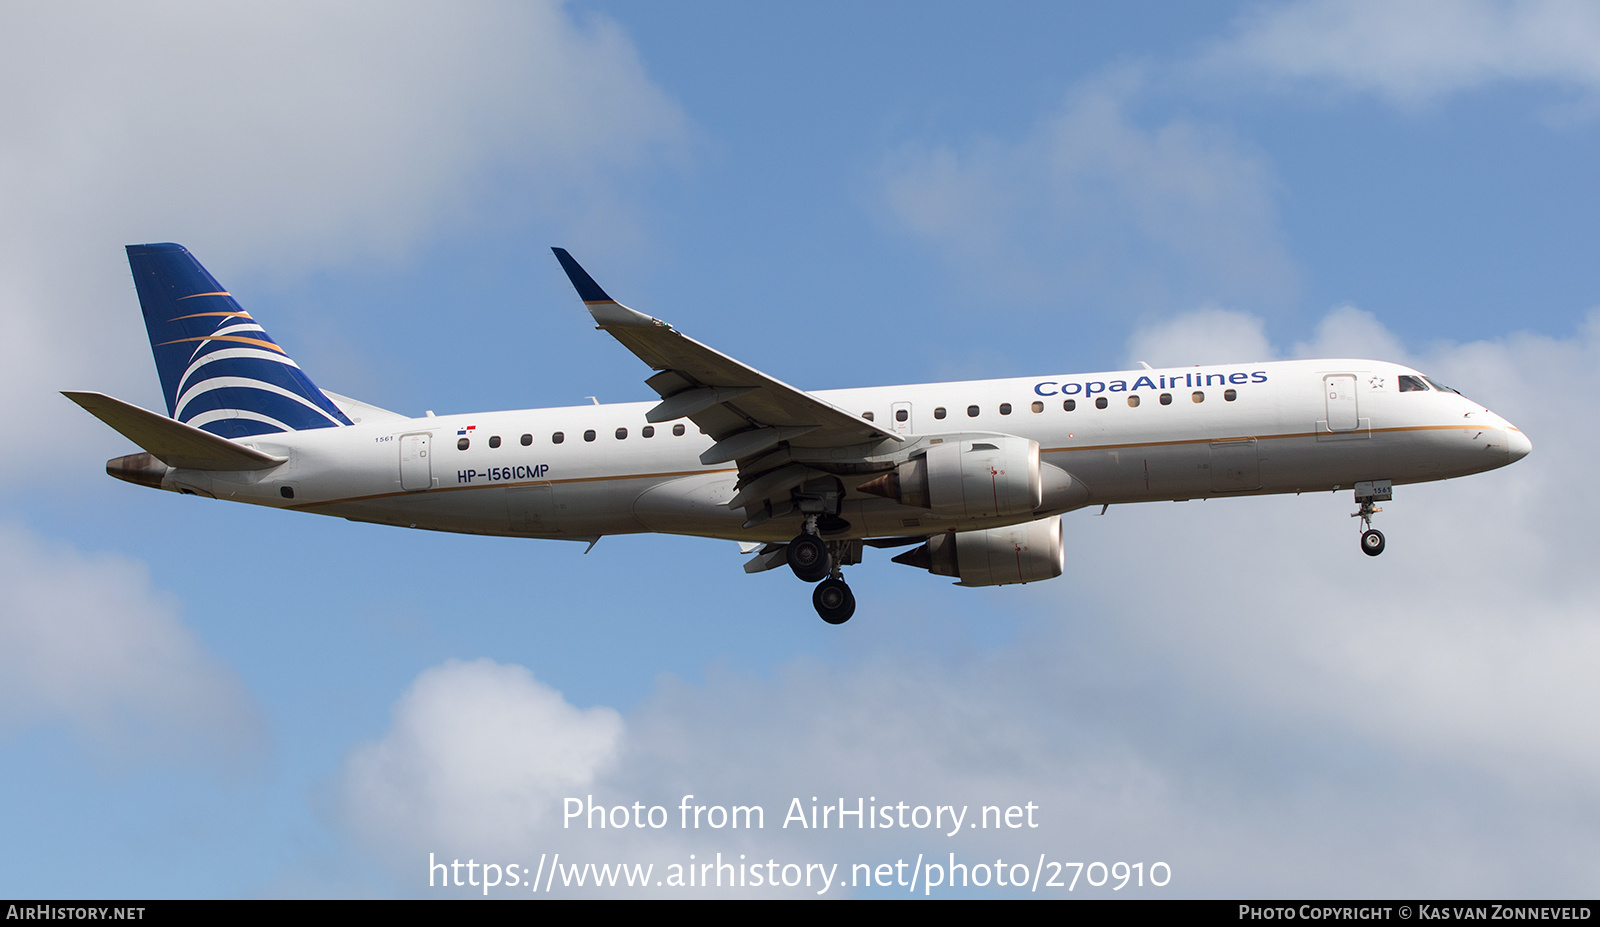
x,y
220,371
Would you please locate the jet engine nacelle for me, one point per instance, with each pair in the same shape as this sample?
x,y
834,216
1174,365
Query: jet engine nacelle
x,y
1024,553
985,477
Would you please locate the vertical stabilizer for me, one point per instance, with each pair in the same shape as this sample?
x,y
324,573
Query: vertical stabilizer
x,y
220,370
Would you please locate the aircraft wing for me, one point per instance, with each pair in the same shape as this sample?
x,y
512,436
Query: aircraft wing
x,y
746,412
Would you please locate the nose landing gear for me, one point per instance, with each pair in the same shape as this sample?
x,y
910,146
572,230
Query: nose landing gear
x,y
1372,542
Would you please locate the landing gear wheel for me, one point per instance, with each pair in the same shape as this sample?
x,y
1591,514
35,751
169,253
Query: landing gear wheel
x,y
808,557
1372,542
834,601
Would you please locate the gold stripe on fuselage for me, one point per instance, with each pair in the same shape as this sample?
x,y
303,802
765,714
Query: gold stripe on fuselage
x,y
505,483
1300,434
1047,450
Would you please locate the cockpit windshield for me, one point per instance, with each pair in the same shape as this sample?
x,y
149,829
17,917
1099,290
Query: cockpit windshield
x,y
1412,385
1441,387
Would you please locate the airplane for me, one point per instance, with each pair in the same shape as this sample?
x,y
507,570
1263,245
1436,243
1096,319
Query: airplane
x,y
971,476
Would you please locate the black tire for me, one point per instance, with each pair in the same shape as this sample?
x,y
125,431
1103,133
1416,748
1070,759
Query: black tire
x,y
834,601
808,558
1372,542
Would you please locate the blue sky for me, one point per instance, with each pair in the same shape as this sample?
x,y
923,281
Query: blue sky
x,y
205,700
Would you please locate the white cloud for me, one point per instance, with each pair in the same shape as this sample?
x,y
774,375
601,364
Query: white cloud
x,y
1206,336
1472,651
281,135
475,763
304,130
1415,50
1228,686
1091,203
85,640
1350,332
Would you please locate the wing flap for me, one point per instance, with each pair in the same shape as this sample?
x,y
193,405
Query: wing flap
x,y
173,442
747,444
689,401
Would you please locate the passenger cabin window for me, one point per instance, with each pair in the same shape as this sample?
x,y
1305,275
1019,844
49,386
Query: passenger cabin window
x,y
902,415
527,440
1166,399
557,438
1005,408
622,433
463,444
1133,401
649,431
1230,394
938,412
677,431
1037,407
1198,396
1100,402
972,411
1069,405
588,435
867,416
494,440
1412,385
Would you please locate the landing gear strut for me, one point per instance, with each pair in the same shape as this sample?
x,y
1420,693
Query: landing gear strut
x,y
813,559
1372,542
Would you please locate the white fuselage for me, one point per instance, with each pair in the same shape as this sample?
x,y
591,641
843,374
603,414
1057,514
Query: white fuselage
x,y
1289,427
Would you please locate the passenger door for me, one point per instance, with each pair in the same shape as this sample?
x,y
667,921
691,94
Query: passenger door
x,y
416,469
1341,392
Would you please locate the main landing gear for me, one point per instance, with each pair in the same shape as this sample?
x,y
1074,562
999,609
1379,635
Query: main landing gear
x,y
808,558
812,559
833,600
1372,542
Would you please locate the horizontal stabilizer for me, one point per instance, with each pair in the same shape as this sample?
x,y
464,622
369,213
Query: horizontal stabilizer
x,y
173,442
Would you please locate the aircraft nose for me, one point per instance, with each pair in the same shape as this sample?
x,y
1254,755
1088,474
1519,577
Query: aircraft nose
x,y
1517,444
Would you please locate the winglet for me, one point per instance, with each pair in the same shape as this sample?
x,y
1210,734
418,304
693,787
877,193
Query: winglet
x,y
588,290
606,311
